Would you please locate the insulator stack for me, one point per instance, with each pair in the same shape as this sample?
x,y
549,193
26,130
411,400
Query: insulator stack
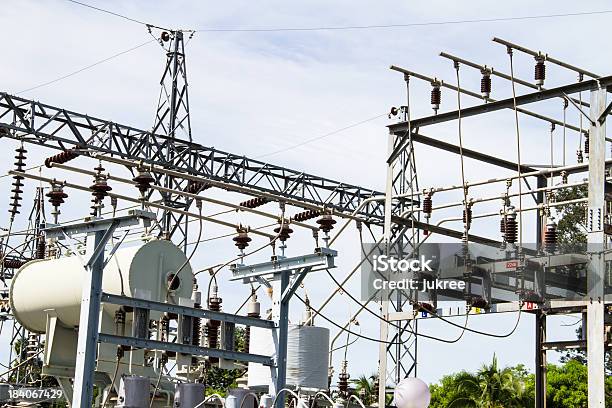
x,y
511,228
343,380
427,206
196,337
212,326
120,322
343,383
586,144
194,187
143,180
467,216
56,195
306,215
17,181
436,97
254,312
62,157
485,84
283,231
326,223
242,239
540,71
14,263
579,156
40,247
550,237
465,245
100,189
164,324
502,225
32,345
254,202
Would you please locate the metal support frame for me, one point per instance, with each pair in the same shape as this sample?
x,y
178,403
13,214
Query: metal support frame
x,y
540,359
402,129
596,239
184,348
401,238
404,134
45,125
98,233
172,116
186,311
285,276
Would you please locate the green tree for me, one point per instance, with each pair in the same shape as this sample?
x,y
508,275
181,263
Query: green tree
x,y
489,387
366,390
567,386
219,380
571,220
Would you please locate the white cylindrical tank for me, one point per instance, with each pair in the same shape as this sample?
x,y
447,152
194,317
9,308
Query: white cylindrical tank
x,y
307,357
55,285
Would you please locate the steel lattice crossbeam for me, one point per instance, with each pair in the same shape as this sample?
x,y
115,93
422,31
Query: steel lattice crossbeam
x,y
57,128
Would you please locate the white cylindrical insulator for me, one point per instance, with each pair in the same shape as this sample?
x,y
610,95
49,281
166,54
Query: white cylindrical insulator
x,y
254,308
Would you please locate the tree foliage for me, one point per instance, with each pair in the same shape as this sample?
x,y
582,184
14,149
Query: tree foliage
x,y
489,387
495,387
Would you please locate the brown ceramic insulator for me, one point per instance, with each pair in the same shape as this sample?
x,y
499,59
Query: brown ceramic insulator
x,y
550,238
427,204
306,215
326,223
61,158
511,230
143,181
283,232
254,202
242,239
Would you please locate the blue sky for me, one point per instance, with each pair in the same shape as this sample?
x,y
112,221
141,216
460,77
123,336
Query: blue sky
x,y
256,93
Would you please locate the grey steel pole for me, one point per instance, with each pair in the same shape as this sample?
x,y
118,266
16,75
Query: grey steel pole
x,y
597,243
88,325
283,332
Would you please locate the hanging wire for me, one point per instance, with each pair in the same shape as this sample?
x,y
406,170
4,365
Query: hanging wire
x,y
518,150
565,105
580,78
552,154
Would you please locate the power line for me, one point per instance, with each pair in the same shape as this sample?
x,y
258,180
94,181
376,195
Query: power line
x,y
108,12
359,27
314,139
407,25
85,68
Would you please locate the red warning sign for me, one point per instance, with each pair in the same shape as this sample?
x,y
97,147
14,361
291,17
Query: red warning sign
x,y
512,264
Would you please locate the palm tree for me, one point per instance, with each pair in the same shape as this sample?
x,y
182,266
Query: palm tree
x,y
364,387
367,391
490,387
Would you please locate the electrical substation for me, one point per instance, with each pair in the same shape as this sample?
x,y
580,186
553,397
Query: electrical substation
x,y
113,309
